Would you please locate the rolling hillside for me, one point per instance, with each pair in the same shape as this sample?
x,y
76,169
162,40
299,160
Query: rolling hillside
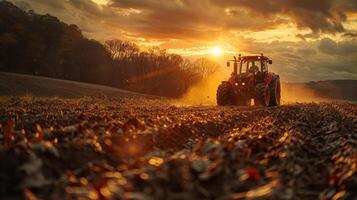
x,y
20,85
23,85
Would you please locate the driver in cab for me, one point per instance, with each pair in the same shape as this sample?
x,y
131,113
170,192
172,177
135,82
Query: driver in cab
x,y
254,68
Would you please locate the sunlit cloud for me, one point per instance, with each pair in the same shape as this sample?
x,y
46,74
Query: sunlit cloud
x,y
102,2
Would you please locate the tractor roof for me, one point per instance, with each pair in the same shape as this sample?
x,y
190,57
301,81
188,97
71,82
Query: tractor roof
x,y
250,58
254,58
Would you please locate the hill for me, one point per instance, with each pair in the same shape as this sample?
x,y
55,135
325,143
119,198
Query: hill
x,y
27,85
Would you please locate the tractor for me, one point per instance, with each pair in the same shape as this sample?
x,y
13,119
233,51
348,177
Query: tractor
x,y
249,80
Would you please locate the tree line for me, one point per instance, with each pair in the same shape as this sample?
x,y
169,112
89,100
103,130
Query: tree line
x,y
43,45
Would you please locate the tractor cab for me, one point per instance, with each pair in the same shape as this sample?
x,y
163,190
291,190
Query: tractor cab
x,y
250,64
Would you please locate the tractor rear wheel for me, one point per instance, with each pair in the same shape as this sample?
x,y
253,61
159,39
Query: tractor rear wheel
x,y
275,92
225,94
262,94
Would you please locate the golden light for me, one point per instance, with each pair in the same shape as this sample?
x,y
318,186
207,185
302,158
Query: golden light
x,y
101,2
216,51
156,161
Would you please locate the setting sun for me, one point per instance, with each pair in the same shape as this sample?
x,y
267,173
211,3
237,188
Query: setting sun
x,y
216,51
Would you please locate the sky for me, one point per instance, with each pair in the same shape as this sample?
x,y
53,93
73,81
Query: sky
x,y
306,39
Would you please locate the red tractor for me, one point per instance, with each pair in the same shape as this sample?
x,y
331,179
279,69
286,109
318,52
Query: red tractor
x,y
249,80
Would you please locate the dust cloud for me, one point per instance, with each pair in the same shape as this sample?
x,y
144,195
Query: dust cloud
x,y
299,92
204,93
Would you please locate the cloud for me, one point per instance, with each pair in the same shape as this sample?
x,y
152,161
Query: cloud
x,y
187,19
202,19
307,60
328,46
211,15
306,51
319,16
308,36
47,4
350,34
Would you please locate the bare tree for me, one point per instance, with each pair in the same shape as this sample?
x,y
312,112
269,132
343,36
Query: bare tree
x,y
205,67
120,49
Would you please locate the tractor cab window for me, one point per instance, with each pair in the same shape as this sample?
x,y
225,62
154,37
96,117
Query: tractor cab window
x,y
249,66
244,66
264,66
253,66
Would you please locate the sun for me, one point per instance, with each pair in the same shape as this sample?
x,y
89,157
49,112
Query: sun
x,y
216,51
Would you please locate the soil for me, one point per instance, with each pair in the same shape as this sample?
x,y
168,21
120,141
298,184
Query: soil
x,y
136,147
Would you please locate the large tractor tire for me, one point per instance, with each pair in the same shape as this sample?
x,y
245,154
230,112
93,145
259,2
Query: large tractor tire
x,y
275,92
225,94
262,94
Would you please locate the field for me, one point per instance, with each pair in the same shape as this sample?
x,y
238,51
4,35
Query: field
x,y
93,142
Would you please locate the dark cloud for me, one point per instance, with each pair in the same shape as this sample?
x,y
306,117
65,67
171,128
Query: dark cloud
x,y
300,36
204,19
308,36
188,18
347,5
307,60
328,46
291,56
306,51
350,34
318,15
209,15
49,4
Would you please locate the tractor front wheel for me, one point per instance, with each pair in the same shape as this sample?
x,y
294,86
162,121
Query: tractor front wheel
x,y
262,94
225,94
